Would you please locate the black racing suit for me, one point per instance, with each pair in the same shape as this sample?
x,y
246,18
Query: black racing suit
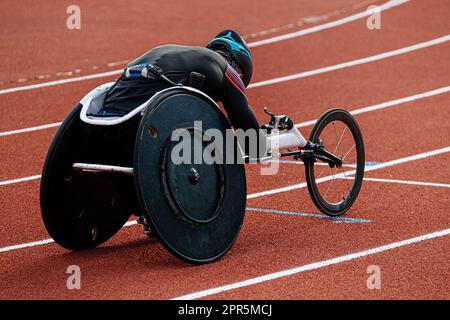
x,y
222,83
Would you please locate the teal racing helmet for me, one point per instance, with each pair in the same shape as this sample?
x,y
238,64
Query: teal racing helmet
x,y
232,43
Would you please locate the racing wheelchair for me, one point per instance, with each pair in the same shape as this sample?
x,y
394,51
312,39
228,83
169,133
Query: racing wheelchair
x,y
101,170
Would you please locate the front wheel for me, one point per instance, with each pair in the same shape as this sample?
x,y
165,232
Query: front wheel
x,y
334,189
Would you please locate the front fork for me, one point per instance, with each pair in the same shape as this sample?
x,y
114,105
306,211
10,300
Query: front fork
x,y
318,151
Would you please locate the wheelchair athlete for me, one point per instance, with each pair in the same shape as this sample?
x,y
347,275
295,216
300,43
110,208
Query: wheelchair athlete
x,y
222,70
225,67
225,63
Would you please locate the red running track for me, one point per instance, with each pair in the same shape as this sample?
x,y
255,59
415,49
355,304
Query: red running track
x,y
131,266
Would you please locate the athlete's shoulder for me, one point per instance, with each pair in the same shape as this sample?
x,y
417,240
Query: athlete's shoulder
x,y
184,48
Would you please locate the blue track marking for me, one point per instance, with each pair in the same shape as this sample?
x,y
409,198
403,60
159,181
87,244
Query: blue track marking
x,y
311,215
367,164
352,165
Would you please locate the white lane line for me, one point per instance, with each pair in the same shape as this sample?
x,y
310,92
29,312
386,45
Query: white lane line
x,y
26,245
329,25
301,22
269,192
350,172
300,163
356,62
411,182
19,180
308,123
311,122
388,104
385,6
133,222
408,159
306,20
30,129
312,73
59,82
313,266
45,241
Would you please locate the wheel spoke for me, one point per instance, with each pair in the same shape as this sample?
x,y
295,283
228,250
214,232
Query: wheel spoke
x,y
328,189
340,139
322,172
343,158
345,178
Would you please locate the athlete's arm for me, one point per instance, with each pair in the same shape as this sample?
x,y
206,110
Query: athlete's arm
x,y
235,102
239,112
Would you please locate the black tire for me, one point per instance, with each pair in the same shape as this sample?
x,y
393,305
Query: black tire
x,y
325,206
77,209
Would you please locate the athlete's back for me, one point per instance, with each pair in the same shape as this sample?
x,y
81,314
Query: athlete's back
x,y
177,62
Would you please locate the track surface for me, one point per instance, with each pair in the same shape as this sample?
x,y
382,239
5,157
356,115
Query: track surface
x,y
130,265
